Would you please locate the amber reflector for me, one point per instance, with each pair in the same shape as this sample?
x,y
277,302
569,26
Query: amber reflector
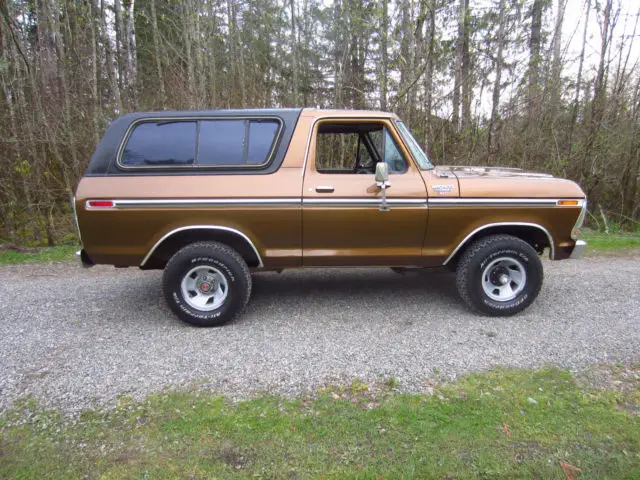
x,y
568,202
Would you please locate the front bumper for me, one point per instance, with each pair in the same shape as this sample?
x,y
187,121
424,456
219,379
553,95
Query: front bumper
x,y
84,259
578,250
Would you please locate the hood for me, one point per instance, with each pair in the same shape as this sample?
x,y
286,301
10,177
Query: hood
x,y
491,172
503,182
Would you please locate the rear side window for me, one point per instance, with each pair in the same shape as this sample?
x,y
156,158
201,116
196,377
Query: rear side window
x,y
161,144
221,142
201,143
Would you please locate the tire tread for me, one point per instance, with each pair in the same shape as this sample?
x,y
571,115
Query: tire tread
x,y
222,250
463,276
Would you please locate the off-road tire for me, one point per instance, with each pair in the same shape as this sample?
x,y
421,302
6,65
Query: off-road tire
x,y
475,260
226,261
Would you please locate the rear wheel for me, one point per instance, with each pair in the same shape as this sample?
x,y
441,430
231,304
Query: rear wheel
x,y
207,284
499,275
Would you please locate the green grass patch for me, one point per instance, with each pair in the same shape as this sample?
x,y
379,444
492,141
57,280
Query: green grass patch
x,y
501,424
11,255
611,241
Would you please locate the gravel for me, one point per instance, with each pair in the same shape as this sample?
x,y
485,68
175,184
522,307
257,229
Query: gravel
x,y
77,339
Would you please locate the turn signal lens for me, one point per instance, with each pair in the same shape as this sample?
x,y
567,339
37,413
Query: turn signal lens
x,y
567,203
100,203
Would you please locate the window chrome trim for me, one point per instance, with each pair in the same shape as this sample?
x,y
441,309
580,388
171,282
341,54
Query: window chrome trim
x,y
270,156
203,227
504,224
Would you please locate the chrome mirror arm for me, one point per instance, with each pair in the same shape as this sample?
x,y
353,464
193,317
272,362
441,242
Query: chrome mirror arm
x,y
384,206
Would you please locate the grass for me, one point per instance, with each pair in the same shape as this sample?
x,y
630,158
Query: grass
x,y
501,424
37,255
611,241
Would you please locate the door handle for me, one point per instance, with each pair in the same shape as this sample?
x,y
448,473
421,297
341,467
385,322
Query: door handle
x,y
324,189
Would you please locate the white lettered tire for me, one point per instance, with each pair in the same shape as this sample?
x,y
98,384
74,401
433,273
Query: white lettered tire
x,y
206,284
499,275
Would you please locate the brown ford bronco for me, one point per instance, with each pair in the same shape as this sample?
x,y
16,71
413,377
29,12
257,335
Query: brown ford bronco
x,y
210,196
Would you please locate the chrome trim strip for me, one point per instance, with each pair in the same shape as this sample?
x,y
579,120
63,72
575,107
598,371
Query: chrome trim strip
x,y
505,202
207,202
410,202
504,224
294,202
253,202
203,227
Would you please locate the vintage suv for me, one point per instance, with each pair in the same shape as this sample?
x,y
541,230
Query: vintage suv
x,y
209,196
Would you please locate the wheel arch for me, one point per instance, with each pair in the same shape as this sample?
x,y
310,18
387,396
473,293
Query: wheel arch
x,y
534,234
158,256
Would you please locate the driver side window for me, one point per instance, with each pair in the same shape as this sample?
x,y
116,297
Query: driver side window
x,y
356,148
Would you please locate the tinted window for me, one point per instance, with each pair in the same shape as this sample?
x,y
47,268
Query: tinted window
x,y
161,144
235,142
221,142
261,137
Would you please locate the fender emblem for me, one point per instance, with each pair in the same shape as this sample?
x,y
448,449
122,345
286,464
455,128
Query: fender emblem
x,y
442,188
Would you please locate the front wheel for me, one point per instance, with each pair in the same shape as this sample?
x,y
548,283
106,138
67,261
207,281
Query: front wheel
x,y
206,284
499,275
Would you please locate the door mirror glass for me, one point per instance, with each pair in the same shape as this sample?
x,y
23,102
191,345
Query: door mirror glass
x,y
382,172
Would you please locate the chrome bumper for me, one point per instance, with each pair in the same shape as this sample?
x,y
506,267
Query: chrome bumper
x,y
578,250
84,259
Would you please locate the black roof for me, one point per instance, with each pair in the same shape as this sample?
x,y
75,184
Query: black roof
x,y
103,161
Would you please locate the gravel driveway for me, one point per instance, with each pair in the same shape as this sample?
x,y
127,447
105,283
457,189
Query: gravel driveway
x,y
77,338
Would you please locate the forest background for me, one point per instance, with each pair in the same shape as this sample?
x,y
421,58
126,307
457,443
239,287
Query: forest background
x,y
549,85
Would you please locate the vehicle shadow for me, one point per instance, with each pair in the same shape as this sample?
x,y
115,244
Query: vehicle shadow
x,y
335,284
307,293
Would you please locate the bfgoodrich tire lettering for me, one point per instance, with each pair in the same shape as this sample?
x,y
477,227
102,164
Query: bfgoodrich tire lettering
x,y
225,267
495,262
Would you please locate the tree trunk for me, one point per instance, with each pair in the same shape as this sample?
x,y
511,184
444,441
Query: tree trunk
x,y
384,54
556,68
111,64
129,52
576,100
294,53
466,71
457,82
158,57
497,83
535,45
45,12
213,85
430,39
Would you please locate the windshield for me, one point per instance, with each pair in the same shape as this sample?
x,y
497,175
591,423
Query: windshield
x,y
416,150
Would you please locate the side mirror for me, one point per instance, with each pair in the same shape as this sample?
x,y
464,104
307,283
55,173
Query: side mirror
x,y
382,173
382,182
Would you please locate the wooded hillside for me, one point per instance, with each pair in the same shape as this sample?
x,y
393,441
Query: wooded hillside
x,y
488,82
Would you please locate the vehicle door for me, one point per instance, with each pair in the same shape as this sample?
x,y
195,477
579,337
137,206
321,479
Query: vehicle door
x,y
346,220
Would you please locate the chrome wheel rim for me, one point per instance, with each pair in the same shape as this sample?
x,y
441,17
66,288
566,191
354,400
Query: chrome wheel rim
x,y
504,279
204,288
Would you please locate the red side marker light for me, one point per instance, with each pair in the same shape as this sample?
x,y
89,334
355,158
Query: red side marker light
x,y
100,204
